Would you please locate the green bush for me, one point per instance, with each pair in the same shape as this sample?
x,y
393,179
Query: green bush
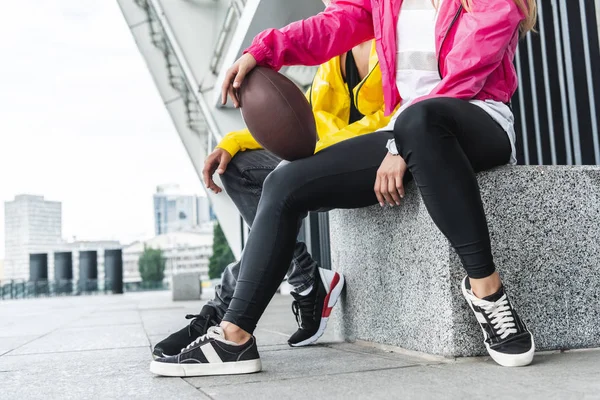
x,y
152,265
222,255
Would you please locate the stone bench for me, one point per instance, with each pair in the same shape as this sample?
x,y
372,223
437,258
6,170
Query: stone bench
x,y
401,271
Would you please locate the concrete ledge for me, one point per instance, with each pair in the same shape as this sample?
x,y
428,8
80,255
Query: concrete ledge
x,y
401,272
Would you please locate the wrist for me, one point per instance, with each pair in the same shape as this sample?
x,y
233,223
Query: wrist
x,y
391,147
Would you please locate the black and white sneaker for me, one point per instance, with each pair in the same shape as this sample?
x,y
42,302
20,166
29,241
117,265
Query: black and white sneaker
x,y
507,339
197,327
210,354
312,311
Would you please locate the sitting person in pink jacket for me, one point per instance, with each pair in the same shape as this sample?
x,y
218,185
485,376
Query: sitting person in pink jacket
x,y
448,65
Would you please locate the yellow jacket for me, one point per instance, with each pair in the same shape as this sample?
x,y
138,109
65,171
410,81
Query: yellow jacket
x,y
330,101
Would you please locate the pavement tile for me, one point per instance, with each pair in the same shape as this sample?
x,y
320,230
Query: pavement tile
x,y
559,376
104,374
93,338
305,362
11,343
103,318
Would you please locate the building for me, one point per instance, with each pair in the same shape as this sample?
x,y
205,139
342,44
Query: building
x,y
32,225
99,246
184,252
177,212
1,270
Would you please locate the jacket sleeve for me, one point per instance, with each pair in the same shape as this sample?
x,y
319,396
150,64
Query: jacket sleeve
x,y
236,141
478,49
368,124
313,41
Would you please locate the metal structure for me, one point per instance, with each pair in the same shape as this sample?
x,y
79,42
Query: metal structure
x,y
558,100
38,267
113,267
88,270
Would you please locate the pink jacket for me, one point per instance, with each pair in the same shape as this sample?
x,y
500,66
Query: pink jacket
x,y
475,49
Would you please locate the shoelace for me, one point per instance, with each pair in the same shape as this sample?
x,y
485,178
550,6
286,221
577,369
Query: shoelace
x,y
213,332
500,315
196,319
306,306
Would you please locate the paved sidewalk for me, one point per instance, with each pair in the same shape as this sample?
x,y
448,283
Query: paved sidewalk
x,y
99,347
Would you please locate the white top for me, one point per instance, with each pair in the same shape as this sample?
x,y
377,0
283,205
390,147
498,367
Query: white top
x,y
417,67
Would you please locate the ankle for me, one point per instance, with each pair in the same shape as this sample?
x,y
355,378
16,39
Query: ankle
x,y
486,286
234,333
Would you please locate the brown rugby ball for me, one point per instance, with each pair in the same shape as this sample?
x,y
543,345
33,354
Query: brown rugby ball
x,y
277,114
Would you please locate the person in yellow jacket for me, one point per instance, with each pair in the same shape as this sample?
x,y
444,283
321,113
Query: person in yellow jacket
x,y
347,100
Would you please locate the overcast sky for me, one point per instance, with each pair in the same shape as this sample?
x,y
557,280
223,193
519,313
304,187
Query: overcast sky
x,y
81,121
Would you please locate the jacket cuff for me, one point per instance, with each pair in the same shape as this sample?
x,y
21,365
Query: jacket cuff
x,y
229,146
261,54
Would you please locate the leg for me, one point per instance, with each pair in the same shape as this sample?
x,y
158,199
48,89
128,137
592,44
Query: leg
x,y
341,176
444,142
243,180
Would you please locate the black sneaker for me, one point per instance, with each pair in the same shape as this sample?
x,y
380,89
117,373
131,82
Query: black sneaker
x,y
197,327
210,354
506,337
312,311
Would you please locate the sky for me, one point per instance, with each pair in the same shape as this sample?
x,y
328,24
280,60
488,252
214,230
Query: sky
x,y
81,121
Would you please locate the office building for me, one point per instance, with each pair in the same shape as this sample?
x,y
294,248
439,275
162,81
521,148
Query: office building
x,y
32,225
178,212
183,251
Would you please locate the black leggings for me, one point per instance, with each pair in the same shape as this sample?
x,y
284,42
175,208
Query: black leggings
x,y
444,142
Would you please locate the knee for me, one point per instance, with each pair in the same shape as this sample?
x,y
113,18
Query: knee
x,y
278,188
233,172
413,128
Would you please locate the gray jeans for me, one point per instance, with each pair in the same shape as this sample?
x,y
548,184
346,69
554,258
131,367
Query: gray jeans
x,y
243,180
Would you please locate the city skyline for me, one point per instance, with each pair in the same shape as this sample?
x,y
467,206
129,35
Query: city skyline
x,y
95,134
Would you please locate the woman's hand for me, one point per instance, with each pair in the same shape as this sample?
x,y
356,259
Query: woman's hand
x,y
389,187
234,77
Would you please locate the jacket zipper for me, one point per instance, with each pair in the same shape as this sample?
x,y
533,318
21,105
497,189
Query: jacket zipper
x,y
444,39
360,85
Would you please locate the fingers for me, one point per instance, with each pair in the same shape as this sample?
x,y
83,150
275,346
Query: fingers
x,y
380,198
223,164
385,191
234,78
207,172
400,186
393,191
233,95
229,76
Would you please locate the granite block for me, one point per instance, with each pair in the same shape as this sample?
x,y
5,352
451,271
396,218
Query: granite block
x,y
403,278
187,286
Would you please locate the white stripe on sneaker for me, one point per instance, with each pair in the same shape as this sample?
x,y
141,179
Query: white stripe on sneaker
x,y
211,355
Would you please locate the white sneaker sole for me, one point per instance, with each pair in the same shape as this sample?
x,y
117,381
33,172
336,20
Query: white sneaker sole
x,y
334,295
208,369
505,360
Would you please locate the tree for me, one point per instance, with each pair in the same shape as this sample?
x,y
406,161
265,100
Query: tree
x,y
152,265
222,255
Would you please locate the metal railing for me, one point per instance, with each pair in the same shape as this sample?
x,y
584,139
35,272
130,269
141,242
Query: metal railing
x,y
180,76
234,12
23,289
